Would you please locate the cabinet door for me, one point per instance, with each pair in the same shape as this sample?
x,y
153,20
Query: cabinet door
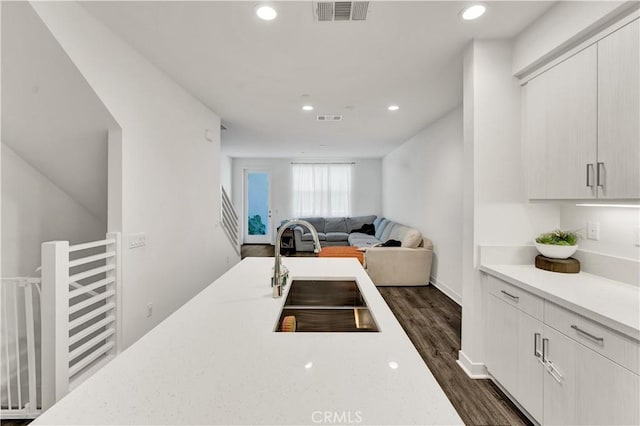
x,y
606,393
559,390
502,342
530,368
618,112
561,129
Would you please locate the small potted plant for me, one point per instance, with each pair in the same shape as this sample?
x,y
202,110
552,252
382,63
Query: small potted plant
x,y
558,244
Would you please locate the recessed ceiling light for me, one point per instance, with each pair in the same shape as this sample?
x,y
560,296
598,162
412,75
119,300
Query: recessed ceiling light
x,y
266,12
473,12
308,107
393,107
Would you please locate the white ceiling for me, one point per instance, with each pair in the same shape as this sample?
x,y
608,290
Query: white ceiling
x,y
50,116
254,73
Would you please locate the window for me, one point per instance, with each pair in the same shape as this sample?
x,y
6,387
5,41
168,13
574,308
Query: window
x,y
322,190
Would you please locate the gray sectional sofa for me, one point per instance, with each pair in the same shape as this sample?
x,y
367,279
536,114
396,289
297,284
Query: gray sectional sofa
x,y
332,231
409,264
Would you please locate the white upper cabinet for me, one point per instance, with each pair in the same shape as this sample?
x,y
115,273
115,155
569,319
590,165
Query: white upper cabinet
x,y
618,113
561,127
581,123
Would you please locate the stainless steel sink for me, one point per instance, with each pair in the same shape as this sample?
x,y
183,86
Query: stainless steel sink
x,y
327,306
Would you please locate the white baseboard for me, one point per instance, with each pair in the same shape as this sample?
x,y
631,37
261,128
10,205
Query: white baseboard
x,y
474,370
448,291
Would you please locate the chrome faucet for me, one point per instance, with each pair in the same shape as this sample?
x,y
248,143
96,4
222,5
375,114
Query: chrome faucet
x,y
280,272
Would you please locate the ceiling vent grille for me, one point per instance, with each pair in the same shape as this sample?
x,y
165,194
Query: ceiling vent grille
x,y
329,11
329,118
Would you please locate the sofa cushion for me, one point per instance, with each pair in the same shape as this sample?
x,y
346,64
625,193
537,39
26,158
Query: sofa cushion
x,y
380,229
412,238
386,233
357,222
358,239
337,236
309,236
376,222
317,222
335,224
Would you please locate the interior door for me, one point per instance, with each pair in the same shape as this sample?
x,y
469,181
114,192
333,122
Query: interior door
x,y
257,207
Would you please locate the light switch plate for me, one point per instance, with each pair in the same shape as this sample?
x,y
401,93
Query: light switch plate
x,y
593,231
137,240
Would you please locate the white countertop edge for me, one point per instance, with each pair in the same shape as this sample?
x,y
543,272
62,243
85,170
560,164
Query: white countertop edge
x,y
625,329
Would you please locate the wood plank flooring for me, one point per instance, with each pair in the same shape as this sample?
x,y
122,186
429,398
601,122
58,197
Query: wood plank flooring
x,y
433,323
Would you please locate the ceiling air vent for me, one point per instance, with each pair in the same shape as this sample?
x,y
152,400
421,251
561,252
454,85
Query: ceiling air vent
x,y
328,11
329,118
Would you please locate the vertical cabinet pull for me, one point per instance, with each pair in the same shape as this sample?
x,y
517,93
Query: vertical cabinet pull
x,y
536,339
589,175
545,343
600,174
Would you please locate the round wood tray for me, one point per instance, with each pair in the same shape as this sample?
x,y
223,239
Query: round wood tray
x,y
564,266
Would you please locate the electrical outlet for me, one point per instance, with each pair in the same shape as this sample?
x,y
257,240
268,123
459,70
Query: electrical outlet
x,y
149,309
593,231
137,240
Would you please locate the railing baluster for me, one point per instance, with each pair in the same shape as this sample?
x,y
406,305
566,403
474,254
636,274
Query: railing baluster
x,y
31,346
17,345
6,351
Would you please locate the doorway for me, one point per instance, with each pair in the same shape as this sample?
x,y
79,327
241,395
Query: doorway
x,y
257,225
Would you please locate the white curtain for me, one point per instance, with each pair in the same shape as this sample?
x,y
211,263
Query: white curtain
x,y
322,190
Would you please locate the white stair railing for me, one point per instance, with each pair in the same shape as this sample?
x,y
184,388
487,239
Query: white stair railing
x,y
229,220
81,327
19,352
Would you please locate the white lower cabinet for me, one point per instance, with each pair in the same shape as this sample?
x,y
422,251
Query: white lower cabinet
x,y
530,368
606,393
559,387
559,379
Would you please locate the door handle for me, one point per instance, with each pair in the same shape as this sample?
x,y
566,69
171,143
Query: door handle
x,y
586,333
536,339
600,171
514,298
589,174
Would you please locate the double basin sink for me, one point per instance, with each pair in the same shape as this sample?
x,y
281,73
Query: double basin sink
x,y
326,306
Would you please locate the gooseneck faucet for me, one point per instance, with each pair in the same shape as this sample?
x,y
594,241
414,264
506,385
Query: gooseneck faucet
x,y
280,272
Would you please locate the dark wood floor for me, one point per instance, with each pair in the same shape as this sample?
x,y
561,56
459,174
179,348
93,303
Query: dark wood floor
x,y
433,323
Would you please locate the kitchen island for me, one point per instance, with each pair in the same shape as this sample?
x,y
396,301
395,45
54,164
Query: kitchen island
x,y
217,360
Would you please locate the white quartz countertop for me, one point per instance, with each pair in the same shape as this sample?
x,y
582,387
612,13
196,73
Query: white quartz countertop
x,y
612,303
217,360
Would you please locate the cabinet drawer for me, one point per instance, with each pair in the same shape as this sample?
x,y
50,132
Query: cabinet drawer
x,y
610,344
515,296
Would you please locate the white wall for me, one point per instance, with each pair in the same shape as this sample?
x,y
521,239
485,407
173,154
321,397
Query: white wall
x,y
563,25
496,209
422,187
35,210
226,173
367,185
618,227
170,172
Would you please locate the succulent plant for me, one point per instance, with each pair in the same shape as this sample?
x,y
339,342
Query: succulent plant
x,y
558,238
